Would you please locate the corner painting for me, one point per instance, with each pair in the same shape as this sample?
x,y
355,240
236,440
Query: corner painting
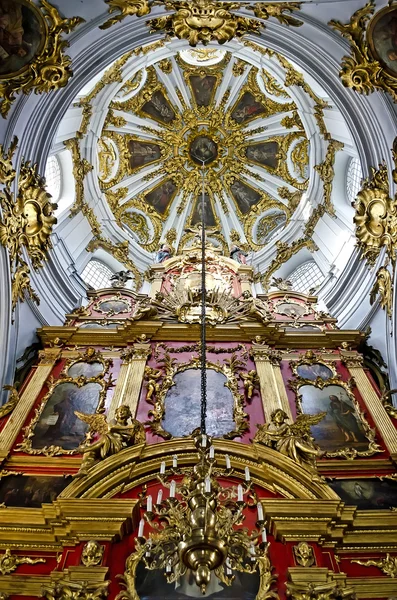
x,y
247,108
182,404
203,88
263,154
382,37
31,491
142,154
209,215
152,585
244,196
162,196
22,36
367,493
159,108
311,372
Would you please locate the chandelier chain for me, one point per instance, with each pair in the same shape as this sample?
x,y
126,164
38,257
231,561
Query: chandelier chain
x,y
203,313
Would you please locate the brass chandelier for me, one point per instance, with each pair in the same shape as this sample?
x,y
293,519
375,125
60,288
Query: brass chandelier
x,y
197,527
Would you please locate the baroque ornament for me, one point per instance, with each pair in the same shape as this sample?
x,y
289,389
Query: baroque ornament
x,y
49,69
9,406
92,554
28,219
204,20
63,590
9,562
388,564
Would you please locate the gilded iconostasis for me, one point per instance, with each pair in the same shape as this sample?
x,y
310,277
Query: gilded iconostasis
x,y
197,311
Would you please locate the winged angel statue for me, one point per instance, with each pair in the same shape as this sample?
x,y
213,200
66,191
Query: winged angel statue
x,y
295,440
113,437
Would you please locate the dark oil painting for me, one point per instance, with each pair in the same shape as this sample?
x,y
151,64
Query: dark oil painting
x,y
142,153
159,108
313,371
114,307
291,309
161,196
21,36
182,404
31,491
264,154
84,369
203,150
99,325
58,425
203,88
247,108
152,585
341,427
244,196
209,217
384,40
367,494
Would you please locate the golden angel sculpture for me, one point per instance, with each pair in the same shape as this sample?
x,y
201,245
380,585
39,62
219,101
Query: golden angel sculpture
x,y
295,440
113,438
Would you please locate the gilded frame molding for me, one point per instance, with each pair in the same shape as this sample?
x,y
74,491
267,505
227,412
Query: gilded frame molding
x,y
118,298
312,358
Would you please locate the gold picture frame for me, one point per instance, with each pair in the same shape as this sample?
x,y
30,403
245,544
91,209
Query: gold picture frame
x,y
116,298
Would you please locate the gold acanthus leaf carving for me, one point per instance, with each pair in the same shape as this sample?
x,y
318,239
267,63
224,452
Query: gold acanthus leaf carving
x,y
388,564
331,590
284,253
13,400
78,591
383,288
9,562
50,68
92,554
327,173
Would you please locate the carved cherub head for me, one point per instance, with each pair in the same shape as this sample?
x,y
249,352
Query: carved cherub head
x,y
122,414
304,554
278,416
92,554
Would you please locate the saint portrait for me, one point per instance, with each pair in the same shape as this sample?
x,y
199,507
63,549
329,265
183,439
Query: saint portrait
x,y
142,153
209,216
161,196
311,372
247,108
203,150
159,108
85,369
264,154
382,35
367,493
31,491
21,35
182,404
203,87
114,307
341,427
152,585
58,425
244,195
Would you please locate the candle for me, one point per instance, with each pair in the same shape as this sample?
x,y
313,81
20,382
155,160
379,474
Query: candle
x,y
149,504
252,549
141,526
162,468
168,567
227,459
247,474
260,511
264,536
203,440
228,568
207,484
159,496
172,489
212,452
239,493
175,461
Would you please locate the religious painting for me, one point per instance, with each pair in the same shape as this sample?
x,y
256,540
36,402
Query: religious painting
x,y
98,325
313,371
244,195
209,215
58,425
113,306
31,491
291,309
182,404
263,154
203,150
161,196
203,87
142,154
342,426
247,108
159,108
22,35
303,327
382,37
152,585
366,493
85,369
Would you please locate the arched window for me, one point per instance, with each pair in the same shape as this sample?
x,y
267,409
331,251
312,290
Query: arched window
x,y
305,277
97,274
53,177
353,179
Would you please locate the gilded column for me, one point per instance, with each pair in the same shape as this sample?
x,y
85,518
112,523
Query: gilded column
x,y
273,393
48,358
129,381
354,362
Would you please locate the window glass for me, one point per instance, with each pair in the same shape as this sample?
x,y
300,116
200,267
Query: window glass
x,y
97,274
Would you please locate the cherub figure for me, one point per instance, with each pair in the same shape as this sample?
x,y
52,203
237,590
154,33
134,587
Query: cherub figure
x,y
293,440
153,386
92,554
250,379
114,437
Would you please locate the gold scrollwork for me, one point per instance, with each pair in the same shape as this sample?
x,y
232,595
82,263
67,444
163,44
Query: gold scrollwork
x,y
11,403
91,355
71,589
92,554
284,253
312,358
327,173
387,564
117,298
49,69
9,562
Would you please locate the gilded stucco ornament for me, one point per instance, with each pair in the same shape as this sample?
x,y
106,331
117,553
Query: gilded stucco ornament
x,y
49,68
304,554
76,590
331,590
388,564
383,289
92,554
390,408
11,403
28,219
9,562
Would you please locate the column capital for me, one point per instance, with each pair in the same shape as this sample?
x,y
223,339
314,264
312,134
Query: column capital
x,y
262,352
351,359
139,351
49,356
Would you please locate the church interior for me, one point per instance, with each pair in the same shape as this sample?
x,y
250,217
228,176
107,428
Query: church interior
x,y
203,191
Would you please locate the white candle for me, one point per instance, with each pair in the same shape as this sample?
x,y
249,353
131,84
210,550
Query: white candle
x,y
175,461
260,511
203,440
212,452
149,504
162,468
141,526
252,549
247,474
159,496
239,493
264,536
172,489
227,459
228,568
168,567
207,484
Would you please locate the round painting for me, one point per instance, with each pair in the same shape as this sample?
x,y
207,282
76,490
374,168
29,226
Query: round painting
x,y
313,371
291,309
113,307
203,150
382,37
22,36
